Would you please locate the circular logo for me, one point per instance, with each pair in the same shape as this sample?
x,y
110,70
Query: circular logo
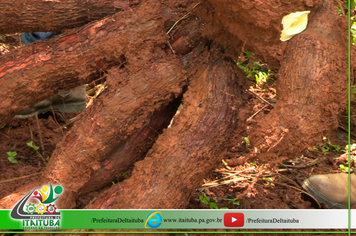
x,y
41,209
51,209
31,208
154,220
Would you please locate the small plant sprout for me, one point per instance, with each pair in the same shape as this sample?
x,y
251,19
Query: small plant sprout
x,y
269,181
212,205
254,69
343,168
328,146
247,141
11,157
34,147
233,201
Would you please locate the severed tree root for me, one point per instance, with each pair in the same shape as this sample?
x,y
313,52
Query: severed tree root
x,y
312,90
122,124
185,153
116,118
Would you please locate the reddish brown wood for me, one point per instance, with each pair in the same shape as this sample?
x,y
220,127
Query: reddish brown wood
x,y
124,154
185,153
252,25
41,15
311,89
39,70
117,117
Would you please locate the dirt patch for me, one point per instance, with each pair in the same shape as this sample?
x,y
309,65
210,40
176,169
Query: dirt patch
x,y
238,192
44,133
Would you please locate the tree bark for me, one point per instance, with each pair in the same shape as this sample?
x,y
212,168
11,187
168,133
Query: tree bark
x,y
39,70
312,90
41,15
121,152
185,153
252,25
125,153
112,124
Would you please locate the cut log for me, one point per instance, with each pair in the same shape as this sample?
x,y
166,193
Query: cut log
x,y
39,70
185,153
41,15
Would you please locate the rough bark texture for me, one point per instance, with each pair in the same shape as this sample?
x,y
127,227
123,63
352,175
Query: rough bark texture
x,y
185,153
74,58
252,25
41,15
125,153
312,89
119,114
9,201
311,92
130,145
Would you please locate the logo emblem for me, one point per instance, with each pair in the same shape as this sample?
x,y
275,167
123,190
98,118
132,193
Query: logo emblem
x,y
43,215
234,219
154,220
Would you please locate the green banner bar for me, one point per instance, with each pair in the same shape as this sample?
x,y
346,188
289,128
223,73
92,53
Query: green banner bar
x,y
174,219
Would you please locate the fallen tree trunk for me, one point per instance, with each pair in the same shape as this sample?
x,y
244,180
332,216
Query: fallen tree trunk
x,y
41,15
37,71
185,153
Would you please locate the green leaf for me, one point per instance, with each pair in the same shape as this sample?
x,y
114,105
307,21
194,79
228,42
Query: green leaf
x,y
247,140
3,36
32,145
234,201
204,199
270,179
325,149
248,53
11,154
224,208
11,157
343,168
212,205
